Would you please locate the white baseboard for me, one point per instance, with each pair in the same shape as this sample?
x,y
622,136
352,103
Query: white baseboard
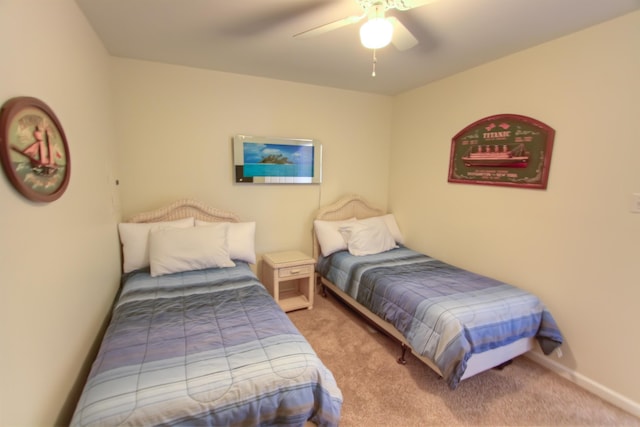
x,y
588,384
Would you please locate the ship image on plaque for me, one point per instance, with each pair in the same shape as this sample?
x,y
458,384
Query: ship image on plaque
x,y
506,149
33,149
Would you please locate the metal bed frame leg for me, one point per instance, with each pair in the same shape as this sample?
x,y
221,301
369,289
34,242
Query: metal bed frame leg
x,y
503,365
323,290
401,360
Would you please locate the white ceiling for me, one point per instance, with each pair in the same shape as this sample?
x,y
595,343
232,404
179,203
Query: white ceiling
x,y
255,37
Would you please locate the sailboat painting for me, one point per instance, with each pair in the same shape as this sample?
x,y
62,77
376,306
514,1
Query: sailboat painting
x,y
43,156
507,149
34,152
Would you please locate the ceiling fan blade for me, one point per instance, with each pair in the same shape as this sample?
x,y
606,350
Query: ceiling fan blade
x,y
274,16
329,27
408,4
402,39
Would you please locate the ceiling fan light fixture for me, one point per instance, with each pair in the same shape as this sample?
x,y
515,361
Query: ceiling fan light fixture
x,y
376,33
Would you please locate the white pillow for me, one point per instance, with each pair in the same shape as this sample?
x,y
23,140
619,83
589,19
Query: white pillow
x,y
390,222
241,239
329,237
392,225
172,250
135,241
368,237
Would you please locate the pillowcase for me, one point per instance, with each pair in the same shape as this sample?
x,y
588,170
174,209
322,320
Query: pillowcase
x,y
392,225
172,250
135,241
329,237
241,239
367,237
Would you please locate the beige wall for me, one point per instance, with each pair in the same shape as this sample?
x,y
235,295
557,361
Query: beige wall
x,y
575,244
58,261
175,126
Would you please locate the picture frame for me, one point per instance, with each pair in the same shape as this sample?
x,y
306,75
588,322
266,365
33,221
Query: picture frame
x,y
275,160
33,149
505,150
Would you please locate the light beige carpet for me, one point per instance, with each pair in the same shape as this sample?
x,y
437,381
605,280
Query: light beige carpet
x,y
379,392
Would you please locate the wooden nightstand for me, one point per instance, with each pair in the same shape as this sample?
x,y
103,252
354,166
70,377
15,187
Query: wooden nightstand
x,y
290,279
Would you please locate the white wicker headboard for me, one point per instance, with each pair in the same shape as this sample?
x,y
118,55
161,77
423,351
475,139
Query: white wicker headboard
x,y
185,208
346,207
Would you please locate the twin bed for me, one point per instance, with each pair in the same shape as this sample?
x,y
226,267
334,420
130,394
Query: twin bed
x,y
199,342
195,338
457,322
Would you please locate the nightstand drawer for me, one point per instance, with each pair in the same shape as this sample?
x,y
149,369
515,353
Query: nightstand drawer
x,y
295,271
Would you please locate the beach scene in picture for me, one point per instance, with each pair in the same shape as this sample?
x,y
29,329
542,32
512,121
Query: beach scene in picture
x,y
278,160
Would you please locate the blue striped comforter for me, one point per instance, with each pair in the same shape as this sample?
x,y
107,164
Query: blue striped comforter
x,y
207,347
447,314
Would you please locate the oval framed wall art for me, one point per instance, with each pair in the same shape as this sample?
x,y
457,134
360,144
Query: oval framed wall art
x,y
34,149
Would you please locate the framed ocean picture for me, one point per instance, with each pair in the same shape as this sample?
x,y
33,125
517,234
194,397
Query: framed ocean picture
x,y
268,160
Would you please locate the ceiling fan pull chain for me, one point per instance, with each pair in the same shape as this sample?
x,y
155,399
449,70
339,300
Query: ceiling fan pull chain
x,y
373,73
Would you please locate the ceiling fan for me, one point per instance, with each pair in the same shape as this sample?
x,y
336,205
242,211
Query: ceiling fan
x,y
378,31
